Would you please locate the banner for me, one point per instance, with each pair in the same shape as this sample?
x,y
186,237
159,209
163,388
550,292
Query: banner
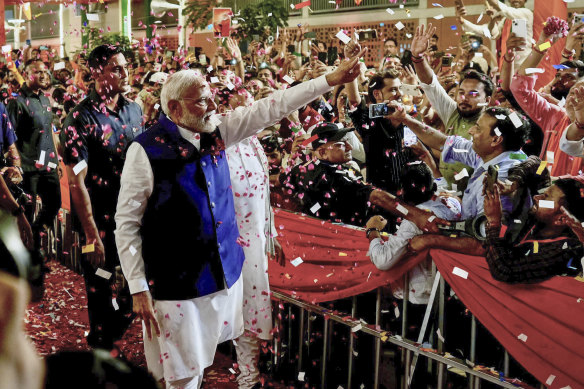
x,y
540,325
333,260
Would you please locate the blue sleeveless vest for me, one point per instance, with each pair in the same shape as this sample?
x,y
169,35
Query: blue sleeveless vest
x,y
189,230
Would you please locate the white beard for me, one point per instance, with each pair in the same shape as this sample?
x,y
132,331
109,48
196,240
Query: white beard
x,y
198,123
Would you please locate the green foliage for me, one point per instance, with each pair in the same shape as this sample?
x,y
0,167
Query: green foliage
x,y
252,19
96,37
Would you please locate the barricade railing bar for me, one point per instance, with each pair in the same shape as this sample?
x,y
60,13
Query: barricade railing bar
x,y
66,243
409,347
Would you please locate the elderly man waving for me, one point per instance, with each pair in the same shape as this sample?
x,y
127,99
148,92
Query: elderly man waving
x,y
176,230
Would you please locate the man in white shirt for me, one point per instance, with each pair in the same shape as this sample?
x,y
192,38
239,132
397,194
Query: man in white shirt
x,y
419,189
176,232
501,19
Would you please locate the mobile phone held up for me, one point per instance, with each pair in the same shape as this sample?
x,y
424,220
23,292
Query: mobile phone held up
x,y
519,28
409,137
380,110
492,176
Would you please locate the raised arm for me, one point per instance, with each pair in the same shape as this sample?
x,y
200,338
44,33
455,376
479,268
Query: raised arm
x,y
420,44
242,123
431,137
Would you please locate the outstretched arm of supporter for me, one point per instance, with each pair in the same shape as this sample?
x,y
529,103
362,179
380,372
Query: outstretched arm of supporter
x,y
572,141
461,244
426,221
352,88
507,69
242,123
537,54
544,114
236,55
420,44
431,137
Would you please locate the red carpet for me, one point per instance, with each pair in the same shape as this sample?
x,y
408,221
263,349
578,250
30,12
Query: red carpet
x,y
59,322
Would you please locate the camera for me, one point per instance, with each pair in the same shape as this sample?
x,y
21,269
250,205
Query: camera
x,y
474,228
474,45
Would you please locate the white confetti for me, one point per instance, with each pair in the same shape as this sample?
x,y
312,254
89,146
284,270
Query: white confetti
x,y
549,156
41,160
432,218
440,335
460,150
438,17
343,37
550,379
288,79
231,370
534,70
59,66
296,262
497,131
356,328
402,209
459,176
388,10
52,165
315,208
546,204
459,272
214,80
480,18
500,117
522,337
103,273
399,26
133,250
93,17
301,375
79,167
515,119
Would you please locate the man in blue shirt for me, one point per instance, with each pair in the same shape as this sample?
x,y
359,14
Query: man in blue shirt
x,y
95,137
496,139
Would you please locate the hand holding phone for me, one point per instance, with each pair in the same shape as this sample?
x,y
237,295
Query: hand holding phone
x,y
491,179
519,28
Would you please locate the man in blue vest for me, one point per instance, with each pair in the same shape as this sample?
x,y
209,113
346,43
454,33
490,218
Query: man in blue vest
x,y
176,230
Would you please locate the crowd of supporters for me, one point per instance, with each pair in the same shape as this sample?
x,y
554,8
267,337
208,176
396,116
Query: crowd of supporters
x,y
420,140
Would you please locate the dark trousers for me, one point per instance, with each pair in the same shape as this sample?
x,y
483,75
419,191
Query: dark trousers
x,y
47,186
106,323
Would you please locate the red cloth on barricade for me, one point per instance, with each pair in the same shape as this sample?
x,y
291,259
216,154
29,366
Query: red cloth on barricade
x,y
550,314
335,262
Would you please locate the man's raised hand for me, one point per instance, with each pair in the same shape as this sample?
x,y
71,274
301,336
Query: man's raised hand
x,y
347,71
421,40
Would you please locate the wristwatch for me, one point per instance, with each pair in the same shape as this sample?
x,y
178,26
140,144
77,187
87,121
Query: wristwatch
x,y
370,230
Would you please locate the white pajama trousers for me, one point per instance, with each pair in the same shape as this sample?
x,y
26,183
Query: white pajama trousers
x,y
190,331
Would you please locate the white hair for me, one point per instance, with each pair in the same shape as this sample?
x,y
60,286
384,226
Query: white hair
x,y
176,84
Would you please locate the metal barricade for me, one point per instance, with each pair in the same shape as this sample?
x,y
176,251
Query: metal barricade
x,y
438,361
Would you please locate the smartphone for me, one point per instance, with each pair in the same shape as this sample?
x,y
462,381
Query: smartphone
x,y
492,175
474,45
447,61
322,57
409,137
310,35
578,18
379,110
519,28
43,48
367,35
332,55
291,49
410,90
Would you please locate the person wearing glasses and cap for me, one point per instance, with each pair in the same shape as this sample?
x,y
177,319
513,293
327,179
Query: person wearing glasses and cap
x,y
329,189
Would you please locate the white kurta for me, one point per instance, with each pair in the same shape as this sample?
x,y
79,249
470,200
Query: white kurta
x,y
248,167
184,351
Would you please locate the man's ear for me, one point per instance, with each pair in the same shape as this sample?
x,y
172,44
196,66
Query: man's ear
x,y
497,141
488,100
174,108
378,95
320,152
